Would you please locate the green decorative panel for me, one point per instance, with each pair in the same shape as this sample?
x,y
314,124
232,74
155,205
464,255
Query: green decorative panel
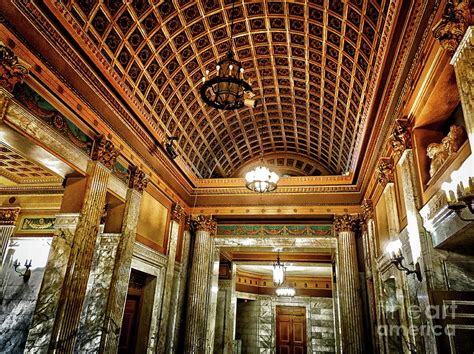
x,y
47,113
121,171
275,230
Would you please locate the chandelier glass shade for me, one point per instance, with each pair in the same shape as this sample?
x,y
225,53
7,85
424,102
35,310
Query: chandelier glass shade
x,y
261,180
285,291
278,272
227,90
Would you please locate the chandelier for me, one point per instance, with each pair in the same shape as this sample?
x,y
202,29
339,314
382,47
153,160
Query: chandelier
x,y
261,179
285,291
278,272
228,90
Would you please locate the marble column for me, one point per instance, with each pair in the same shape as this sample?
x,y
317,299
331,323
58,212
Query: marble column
x,y
102,316
198,295
8,218
350,303
213,290
58,309
462,61
176,215
230,313
177,322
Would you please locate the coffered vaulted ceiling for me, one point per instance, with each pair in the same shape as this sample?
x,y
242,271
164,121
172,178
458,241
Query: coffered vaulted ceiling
x,y
313,65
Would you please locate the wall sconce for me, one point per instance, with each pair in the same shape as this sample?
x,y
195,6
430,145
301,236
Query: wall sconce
x,y
27,273
459,192
394,249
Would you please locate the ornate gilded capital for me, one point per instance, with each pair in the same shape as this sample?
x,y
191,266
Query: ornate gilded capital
x,y
384,171
367,209
205,223
12,71
177,212
188,220
8,216
400,140
105,152
453,24
138,180
345,222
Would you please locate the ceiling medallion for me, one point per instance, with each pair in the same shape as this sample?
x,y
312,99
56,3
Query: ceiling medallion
x,y
228,90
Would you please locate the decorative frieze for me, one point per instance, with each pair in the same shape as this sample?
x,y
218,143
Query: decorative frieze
x,y
400,140
384,171
205,223
177,212
345,222
12,71
138,179
105,152
8,216
450,30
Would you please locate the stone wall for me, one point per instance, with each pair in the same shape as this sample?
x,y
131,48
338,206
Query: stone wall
x,y
18,299
256,323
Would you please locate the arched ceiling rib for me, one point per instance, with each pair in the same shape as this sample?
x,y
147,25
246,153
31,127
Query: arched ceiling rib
x,y
311,60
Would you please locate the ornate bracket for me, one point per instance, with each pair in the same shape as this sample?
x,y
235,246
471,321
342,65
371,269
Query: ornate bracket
x,y
12,71
384,171
345,222
453,24
105,152
400,140
138,179
8,216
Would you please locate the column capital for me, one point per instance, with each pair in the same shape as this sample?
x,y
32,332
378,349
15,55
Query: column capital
x,y
346,222
138,180
9,215
12,71
104,152
384,171
367,209
205,223
466,44
400,139
177,212
453,24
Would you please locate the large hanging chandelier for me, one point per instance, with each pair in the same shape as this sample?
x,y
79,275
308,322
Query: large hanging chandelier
x,y
261,179
287,291
228,90
278,272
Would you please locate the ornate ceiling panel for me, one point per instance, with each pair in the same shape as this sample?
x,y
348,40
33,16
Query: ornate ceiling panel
x,y
310,63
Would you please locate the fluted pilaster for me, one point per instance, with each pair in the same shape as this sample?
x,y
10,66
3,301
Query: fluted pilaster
x,y
348,285
176,214
198,296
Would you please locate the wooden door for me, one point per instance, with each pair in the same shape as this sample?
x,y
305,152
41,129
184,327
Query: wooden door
x,y
128,334
291,330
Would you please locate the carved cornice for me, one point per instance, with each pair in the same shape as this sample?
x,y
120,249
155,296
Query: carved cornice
x,y
450,30
384,171
177,212
138,180
367,210
205,223
400,139
12,71
105,152
8,216
345,222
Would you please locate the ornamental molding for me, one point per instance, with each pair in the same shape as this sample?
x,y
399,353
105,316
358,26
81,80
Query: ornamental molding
x,y
346,222
205,223
105,152
177,212
400,139
450,30
384,171
138,180
8,216
367,210
12,70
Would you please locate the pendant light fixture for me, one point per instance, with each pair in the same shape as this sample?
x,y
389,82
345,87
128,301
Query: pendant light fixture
x,y
228,90
278,272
